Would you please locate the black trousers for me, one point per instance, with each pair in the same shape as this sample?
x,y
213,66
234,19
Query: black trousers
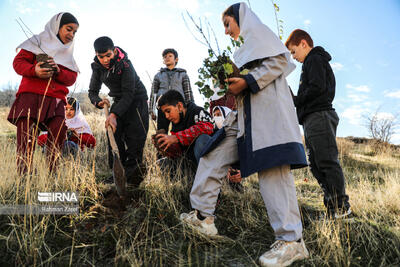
x,y
162,122
130,136
320,136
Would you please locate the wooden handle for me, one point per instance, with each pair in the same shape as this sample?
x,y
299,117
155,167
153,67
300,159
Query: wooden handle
x,y
110,132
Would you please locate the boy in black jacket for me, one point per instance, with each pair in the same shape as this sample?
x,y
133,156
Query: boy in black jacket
x,y
129,112
319,119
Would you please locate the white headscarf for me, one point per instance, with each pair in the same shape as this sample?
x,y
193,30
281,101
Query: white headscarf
x,y
51,45
78,122
259,41
224,110
219,120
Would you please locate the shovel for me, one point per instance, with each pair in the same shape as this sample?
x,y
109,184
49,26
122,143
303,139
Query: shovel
x,y
118,168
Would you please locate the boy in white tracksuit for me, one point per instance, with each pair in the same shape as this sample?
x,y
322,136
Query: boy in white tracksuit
x,y
264,136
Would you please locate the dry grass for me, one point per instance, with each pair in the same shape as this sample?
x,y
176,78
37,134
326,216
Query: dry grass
x,y
148,232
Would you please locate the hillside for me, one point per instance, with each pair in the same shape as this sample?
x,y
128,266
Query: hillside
x,y
145,231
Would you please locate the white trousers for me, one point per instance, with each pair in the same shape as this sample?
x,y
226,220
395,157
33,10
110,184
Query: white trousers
x,y
277,188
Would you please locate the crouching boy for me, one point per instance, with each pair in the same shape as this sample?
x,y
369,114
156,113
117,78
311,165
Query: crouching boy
x,y
191,127
129,112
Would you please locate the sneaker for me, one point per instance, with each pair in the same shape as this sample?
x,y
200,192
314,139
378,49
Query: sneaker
x,y
341,214
206,226
333,214
284,253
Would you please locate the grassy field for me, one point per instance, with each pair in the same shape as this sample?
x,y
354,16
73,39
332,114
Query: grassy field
x,y
146,231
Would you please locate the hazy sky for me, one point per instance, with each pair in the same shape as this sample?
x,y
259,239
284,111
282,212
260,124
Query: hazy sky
x,y
361,35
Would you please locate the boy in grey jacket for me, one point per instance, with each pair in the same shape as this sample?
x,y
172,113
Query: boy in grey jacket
x,y
169,78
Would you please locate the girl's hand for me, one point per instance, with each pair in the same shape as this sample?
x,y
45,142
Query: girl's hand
x,y
43,73
53,64
236,85
234,175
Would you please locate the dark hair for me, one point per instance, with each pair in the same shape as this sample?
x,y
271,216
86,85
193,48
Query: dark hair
x,y
296,36
72,101
171,97
67,18
232,11
103,44
170,50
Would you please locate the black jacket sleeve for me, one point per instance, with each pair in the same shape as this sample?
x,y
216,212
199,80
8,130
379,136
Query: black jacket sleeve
x,y
315,86
94,87
129,83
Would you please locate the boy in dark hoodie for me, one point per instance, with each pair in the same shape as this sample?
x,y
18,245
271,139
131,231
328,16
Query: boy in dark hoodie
x,y
129,116
169,78
319,119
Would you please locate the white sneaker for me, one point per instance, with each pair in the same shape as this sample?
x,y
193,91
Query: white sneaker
x,y
206,226
284,253
340,214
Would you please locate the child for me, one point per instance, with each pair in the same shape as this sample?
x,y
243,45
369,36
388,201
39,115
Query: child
x,y
169,78
219,115
191,126
319,119
41,97
129,116
79,132
233,175
268,139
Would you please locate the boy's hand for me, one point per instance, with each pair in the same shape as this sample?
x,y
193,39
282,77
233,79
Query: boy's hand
x,y
43,73
165,141
236,85
103,102
111,121
234,175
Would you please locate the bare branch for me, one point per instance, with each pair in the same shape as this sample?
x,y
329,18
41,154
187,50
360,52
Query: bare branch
x,y
194,36
215,37
381,129
30,32
199,28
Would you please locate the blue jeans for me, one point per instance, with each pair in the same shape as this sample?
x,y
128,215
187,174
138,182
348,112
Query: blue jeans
x,y
199,145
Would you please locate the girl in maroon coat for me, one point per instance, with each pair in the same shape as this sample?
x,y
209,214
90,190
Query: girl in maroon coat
x,y
41,97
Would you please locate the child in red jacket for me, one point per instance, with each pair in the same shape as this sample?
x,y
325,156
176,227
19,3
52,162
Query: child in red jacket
x,y
41,97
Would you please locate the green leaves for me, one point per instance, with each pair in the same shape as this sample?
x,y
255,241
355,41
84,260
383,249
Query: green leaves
x,y
215,70
228,68
244,72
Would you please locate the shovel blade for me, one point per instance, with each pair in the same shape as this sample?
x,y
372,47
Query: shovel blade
x,y
119,175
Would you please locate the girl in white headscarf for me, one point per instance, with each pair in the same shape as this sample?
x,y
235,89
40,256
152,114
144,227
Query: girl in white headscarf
x,y
264,137
219,114
41,97
78,132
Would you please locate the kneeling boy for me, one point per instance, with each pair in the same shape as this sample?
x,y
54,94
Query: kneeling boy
x,y
191,127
